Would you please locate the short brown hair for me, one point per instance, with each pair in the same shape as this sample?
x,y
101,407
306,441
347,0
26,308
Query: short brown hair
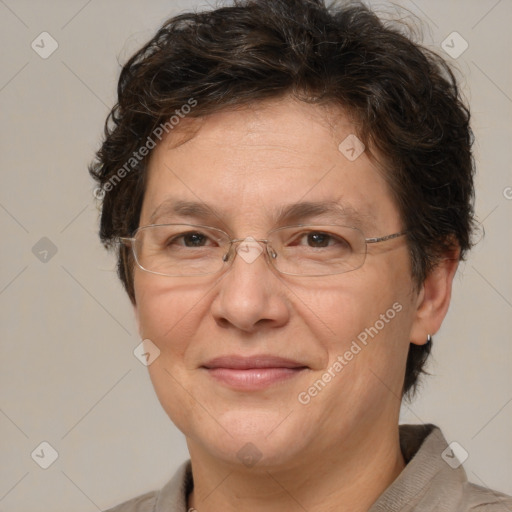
x,y
403,96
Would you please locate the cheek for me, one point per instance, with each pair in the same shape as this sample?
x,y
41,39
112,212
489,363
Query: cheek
x,y
365,319
366,353
346,305
167,312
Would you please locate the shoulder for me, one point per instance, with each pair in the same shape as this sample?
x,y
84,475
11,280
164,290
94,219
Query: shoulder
x,y
173,496
434,478
143,503
482,499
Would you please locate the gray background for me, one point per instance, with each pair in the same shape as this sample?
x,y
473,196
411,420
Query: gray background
x,y
68,375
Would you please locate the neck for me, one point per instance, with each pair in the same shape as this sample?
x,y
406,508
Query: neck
x,y
349,477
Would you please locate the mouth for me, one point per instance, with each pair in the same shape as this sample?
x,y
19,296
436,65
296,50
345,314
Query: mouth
x,y
252,373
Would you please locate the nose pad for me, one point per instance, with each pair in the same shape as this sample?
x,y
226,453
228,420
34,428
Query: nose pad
x,y
229,253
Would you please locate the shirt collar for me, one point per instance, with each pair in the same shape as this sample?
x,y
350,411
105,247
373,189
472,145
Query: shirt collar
x,y
428,481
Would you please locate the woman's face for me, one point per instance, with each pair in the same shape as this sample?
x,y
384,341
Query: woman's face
x,y
245,168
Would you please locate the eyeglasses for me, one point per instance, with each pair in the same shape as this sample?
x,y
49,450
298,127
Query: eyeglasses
x,y
301,250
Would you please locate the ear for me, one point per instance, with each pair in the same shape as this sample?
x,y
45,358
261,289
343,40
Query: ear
x,y
434,299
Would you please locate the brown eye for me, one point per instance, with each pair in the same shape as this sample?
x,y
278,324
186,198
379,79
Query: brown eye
x,y
191,239
318,239
194,239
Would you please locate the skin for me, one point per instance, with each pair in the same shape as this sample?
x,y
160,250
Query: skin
x,y
341,450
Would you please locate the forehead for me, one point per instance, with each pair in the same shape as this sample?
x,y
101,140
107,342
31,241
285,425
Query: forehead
x,y
265,160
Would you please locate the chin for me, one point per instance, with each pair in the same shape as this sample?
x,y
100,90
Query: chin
x,y
254,440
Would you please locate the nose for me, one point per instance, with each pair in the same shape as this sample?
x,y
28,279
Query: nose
x,y
251,294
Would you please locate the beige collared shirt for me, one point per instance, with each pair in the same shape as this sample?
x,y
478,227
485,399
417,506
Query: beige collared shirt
x,y
428,483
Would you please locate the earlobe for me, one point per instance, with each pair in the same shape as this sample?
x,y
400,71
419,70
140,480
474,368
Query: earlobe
x,y
434,299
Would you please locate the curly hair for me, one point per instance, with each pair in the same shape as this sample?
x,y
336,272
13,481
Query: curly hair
x,y
405,100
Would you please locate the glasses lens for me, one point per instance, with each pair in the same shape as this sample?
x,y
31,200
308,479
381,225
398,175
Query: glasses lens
x,y
180,249
317,250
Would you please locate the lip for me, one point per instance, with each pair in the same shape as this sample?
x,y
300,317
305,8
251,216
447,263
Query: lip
x,y
252,373
236,362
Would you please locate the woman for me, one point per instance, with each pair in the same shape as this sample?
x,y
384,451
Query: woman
x,y
289,188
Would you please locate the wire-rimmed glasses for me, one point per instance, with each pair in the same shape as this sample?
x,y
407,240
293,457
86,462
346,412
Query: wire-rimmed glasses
x,y
300,250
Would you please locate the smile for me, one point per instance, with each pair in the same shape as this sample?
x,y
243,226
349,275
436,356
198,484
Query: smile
x,y
252,373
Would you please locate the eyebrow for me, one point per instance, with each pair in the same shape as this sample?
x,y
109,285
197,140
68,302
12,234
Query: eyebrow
x,y
297,212
285,214
171,207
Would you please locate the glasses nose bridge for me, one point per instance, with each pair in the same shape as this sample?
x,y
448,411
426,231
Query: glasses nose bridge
x,y
235,243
